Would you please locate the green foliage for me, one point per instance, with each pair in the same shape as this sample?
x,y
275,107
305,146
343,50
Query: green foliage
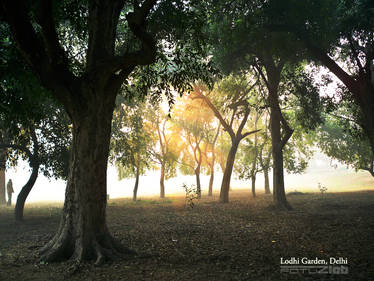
x,y
248,162
130,143
338,29
176,68
27,108
342,138
165,149
298,91
243,40
299,148
240,34
244,162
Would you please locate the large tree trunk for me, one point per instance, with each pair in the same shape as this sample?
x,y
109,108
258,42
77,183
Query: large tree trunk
x,y
253,181
83,233
162,181
266,181
225,186
89,101
22,196
135,192
198,184
277,141
279,194
211,180
2,177
366,103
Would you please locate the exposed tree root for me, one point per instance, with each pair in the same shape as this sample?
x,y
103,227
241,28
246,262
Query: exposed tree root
x,y
102,249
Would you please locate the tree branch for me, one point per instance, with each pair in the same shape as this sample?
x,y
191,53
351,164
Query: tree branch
x,y
137,24
356,57
244,121
348,80
287,131
46,56
215,111
262,75
103,16
53,48
249,133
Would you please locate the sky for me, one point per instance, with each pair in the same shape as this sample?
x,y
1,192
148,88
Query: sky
x,y
320,170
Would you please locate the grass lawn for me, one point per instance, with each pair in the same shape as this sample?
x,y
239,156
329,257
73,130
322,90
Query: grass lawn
x,y
242,240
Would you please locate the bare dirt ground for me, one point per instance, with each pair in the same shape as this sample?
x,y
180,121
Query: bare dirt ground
x,y
242,240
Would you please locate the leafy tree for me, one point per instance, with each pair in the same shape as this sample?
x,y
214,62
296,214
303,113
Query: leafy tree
x,y
210,153
242,41
83,51
32,123
339,35
165,150
231,96
44,143
130,143
193,120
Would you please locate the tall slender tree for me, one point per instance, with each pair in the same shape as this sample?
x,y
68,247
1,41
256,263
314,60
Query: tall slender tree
x,y
165,149
130,143
234,92
210,154
193,121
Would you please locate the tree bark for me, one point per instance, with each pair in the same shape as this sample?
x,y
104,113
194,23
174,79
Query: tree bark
x,y
266,179
211,180
162,181
34,163
22,196
225,187
3,154
2,177
279,194
253,181
83,233
212,163
254,163
277,140
366,103
135,192
198,184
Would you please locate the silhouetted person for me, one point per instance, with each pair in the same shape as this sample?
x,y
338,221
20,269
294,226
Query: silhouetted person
x,y
9,189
